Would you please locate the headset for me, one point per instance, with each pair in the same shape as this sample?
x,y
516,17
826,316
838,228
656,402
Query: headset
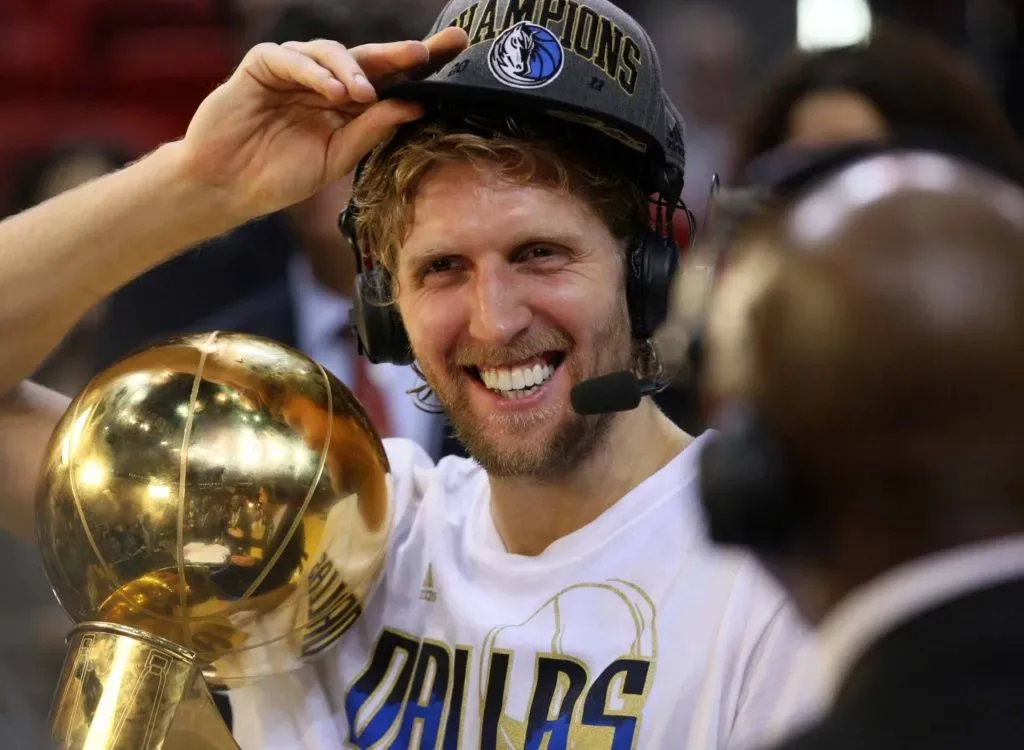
x,y
380,333
752,494
652,260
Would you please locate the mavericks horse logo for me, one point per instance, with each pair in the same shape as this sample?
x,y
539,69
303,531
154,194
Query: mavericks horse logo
x,y
526,56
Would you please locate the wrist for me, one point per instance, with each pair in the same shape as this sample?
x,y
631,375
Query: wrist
x,y
213,207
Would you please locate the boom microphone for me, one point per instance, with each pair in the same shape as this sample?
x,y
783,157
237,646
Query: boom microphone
x,y
678,340
616,391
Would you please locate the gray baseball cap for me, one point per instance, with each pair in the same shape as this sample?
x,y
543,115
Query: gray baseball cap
x,y
582,61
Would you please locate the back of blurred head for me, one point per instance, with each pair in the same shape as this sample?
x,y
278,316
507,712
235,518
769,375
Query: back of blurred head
x,y
864,360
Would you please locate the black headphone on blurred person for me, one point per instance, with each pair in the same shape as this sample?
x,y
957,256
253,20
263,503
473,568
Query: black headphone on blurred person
x,y
750,492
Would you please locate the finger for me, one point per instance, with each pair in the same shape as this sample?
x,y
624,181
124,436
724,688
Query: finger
x,y
380,61
445,46
417,60
369,129
283,69
314,100
339,61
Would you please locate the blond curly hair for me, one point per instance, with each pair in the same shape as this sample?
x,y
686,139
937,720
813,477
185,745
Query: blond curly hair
x,y
519,152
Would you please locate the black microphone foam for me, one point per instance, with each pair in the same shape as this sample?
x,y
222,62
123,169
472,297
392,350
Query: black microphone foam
x,y
616,391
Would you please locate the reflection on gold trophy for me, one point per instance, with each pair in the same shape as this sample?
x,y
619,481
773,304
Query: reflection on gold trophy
x,y
212,510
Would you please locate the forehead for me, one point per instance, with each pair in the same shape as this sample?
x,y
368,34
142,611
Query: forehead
x,y
835,116
461,207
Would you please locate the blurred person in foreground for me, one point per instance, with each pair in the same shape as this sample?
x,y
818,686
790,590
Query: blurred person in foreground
x,y
557,589
862,363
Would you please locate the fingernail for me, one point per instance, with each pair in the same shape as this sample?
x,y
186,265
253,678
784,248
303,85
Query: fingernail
x,y
338,86
360,80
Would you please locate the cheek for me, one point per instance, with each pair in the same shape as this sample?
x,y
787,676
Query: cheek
x,y
583,307
434,323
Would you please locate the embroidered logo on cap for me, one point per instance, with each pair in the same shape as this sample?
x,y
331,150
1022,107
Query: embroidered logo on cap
x,y
526,56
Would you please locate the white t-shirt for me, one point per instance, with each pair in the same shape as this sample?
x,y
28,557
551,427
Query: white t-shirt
x,y
632,632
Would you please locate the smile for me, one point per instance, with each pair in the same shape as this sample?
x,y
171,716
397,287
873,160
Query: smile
x,y
520,379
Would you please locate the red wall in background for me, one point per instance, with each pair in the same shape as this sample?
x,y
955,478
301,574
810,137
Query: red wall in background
x,y
126,71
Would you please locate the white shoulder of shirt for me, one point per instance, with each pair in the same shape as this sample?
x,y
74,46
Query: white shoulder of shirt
x,y
414,473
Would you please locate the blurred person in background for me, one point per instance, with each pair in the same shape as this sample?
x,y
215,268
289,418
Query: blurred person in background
x,y
288,275
702,47
899,82
308,308
863,365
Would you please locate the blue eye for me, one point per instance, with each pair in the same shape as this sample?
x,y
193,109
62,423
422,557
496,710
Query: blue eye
x,y
439,265
538,252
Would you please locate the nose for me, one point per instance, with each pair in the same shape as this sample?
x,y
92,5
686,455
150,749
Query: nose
x,y
499,310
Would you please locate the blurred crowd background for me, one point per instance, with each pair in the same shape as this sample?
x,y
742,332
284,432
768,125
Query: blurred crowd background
x,y
90,85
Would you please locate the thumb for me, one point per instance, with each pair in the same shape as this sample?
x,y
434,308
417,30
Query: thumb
x,y
372,127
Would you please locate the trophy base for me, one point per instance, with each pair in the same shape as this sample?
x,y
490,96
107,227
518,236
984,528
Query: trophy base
x,y
123,689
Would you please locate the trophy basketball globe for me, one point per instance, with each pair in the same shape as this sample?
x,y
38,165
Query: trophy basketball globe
x,y
212,510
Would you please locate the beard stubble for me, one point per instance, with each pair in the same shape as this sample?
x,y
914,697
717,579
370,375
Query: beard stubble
x,y
520,452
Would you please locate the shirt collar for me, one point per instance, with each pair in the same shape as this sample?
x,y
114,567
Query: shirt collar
x,y
878,607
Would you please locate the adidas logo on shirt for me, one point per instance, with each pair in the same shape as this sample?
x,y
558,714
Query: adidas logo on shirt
x,y
427,593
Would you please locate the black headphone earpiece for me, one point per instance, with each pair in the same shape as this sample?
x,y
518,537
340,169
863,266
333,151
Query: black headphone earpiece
x,y
747,490
376,322
653,260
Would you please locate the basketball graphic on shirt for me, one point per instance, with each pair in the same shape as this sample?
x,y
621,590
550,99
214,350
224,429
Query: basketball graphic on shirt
x,y
577,704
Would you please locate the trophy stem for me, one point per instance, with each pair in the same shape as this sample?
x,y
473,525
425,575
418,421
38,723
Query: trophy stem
x,y
123,689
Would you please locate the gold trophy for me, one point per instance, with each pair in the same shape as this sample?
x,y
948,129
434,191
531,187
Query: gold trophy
x,y
212,510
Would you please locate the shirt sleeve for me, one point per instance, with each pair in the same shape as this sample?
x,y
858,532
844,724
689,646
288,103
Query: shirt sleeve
x,y
412,470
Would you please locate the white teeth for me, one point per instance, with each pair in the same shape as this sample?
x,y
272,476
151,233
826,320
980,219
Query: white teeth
x,y
516,381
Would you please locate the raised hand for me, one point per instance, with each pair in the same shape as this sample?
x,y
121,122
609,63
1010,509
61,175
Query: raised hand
x,y
293,118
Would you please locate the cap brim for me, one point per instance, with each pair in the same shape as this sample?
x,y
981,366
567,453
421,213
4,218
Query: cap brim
x,y
433,92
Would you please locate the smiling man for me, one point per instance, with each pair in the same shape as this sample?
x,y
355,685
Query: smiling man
x,y
557,590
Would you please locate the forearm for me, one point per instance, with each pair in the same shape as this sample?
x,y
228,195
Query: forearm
x,y
28,416
60,258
